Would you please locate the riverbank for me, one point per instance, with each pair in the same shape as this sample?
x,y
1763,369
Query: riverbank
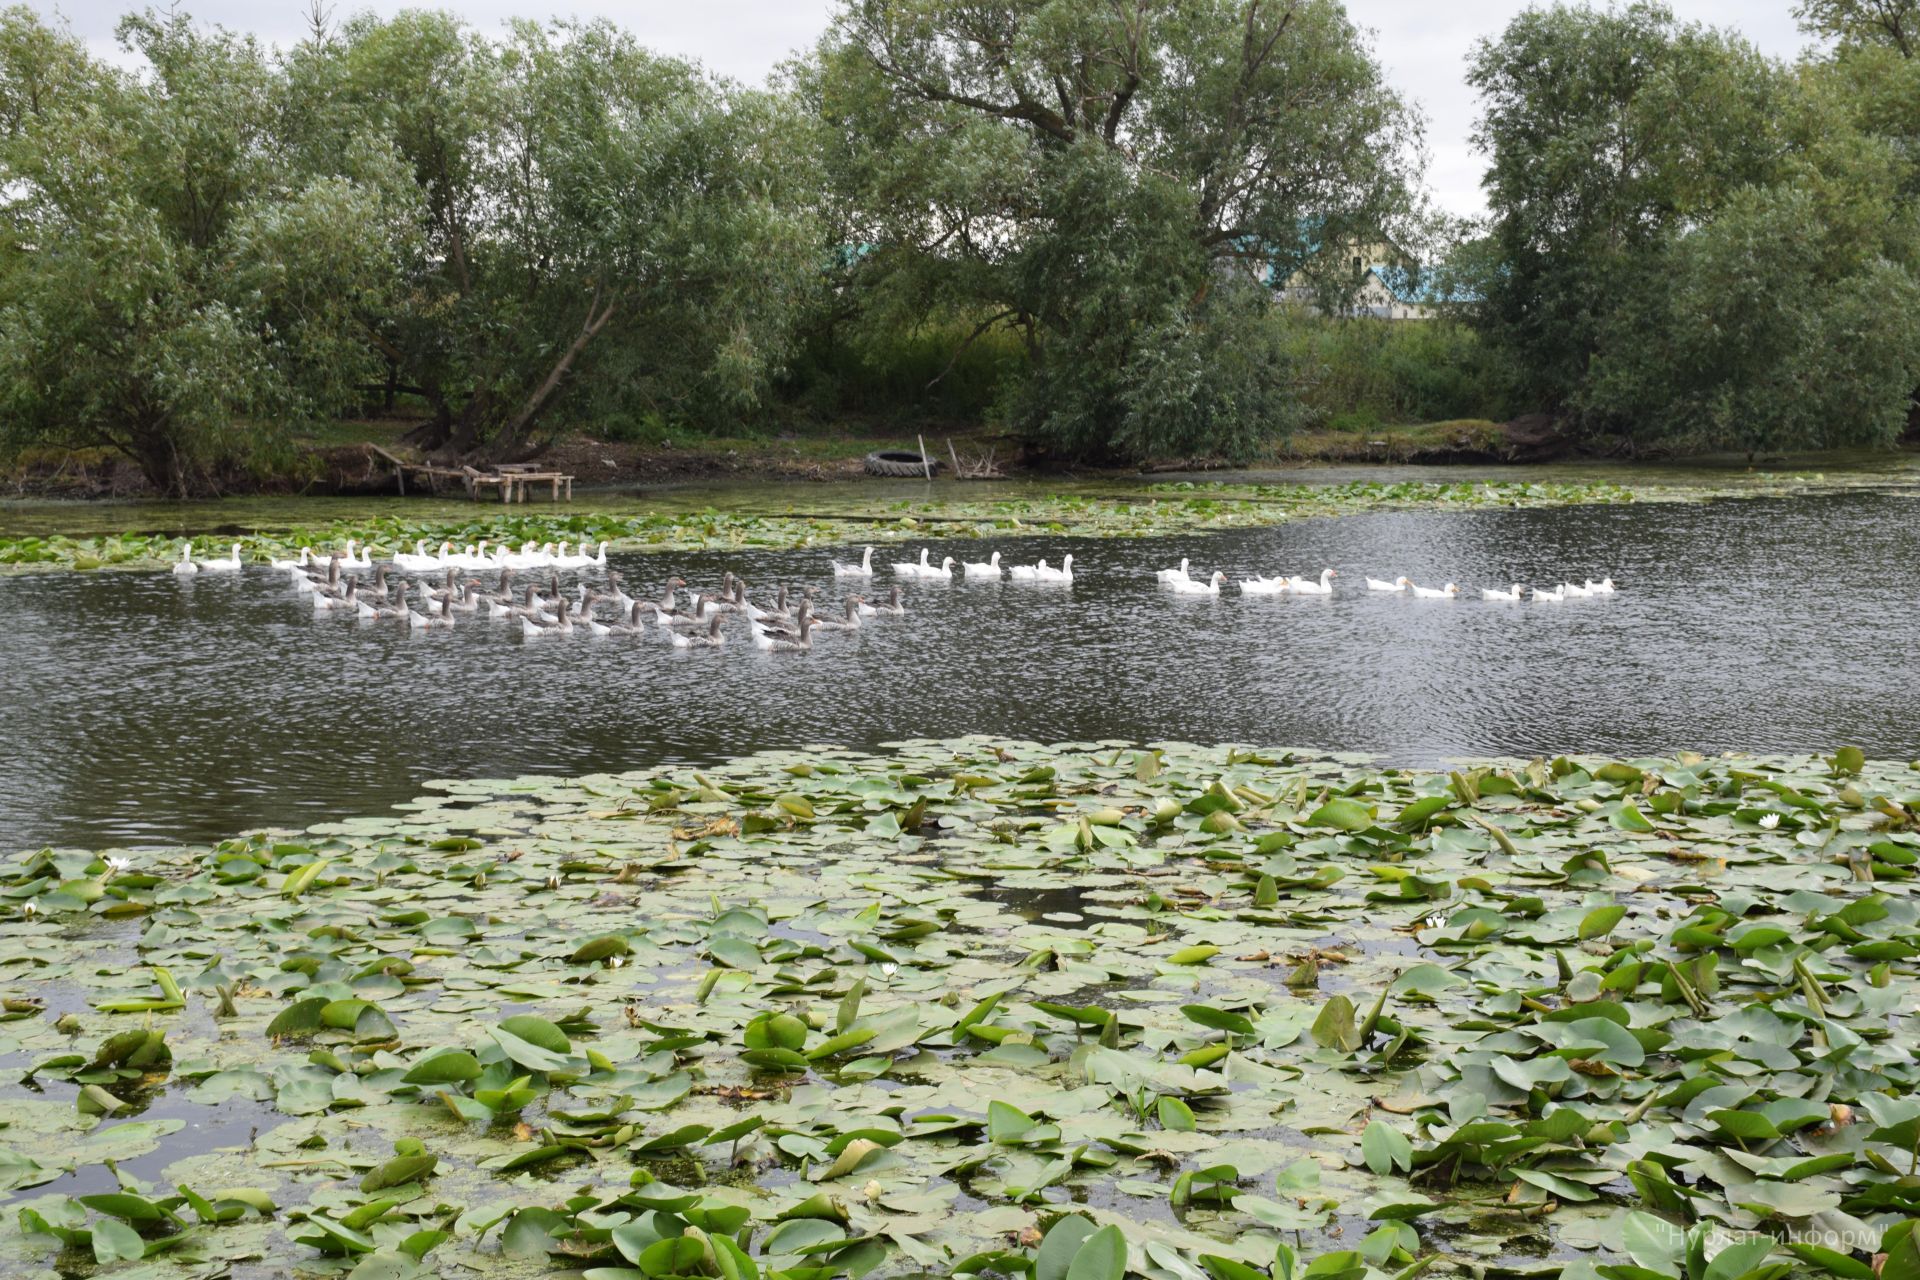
x,y
349,459
902,1009
346,459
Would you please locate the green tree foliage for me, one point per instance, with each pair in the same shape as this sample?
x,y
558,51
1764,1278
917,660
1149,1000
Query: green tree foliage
x,y
163,278
592,227
1091,173
1695,247
520,231
1891,24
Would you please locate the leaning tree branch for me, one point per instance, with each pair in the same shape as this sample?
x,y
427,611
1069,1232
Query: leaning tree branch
x,y
979,330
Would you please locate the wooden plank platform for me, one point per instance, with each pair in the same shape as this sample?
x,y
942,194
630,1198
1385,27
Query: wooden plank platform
x,y
511,480
514,480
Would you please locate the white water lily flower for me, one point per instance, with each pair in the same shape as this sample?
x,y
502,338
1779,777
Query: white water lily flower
x,y
117,863
1770,821
873,1190
28,909
888,969
1434,920
614,962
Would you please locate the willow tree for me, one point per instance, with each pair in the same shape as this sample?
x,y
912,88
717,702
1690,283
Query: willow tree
x,y
1697,247
169,287
1117,180
592,226
1893,24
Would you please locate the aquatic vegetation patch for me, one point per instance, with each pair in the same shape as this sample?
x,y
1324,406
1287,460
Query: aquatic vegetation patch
x,y
1149,511
990,1008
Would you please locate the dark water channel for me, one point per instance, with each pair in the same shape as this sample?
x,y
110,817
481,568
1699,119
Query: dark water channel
x,y
135,707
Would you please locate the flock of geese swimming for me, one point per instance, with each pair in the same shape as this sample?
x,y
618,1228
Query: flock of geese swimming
x,y
442,594
1181,582
442,591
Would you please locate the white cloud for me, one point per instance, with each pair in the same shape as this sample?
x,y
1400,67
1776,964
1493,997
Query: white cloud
x,y
1424,45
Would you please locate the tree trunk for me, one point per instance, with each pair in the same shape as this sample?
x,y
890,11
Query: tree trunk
x,y
513,435
435,431
152,450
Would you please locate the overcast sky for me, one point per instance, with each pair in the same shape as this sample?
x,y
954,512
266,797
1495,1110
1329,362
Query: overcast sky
x,y
1423,43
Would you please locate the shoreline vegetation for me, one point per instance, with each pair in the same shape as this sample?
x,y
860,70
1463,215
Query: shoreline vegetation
x,y
346,458
1210,243
986,1007
795,519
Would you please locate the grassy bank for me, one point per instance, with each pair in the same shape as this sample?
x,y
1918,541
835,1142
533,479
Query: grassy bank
x,y
1225,1012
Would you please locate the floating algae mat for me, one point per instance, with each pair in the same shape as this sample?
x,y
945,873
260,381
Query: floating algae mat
x,y
988,1008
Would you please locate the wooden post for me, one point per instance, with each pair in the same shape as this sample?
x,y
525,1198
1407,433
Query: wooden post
x,y
954,456
925,461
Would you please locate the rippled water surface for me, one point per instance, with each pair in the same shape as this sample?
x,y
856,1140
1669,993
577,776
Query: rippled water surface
x,y
139,707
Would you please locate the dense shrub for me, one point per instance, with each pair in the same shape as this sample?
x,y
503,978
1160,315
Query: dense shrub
x,y
1361,373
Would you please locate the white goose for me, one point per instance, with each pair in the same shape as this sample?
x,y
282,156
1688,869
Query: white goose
x,y
862,570
1604,587
231,564
1259,585
1211,587
365,558
1400,583
1173,575
1575,593
1063,574
1490,593
417,560
579,559
474,557
305,558
530,556
1027,572
1554,596
524,558
1324,587
942,570
988,568
1447,592
907,569
185,565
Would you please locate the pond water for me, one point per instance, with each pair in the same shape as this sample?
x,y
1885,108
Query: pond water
x,y
135,707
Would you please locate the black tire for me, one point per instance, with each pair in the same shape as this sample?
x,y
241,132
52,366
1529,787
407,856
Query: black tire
x,y
900,462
